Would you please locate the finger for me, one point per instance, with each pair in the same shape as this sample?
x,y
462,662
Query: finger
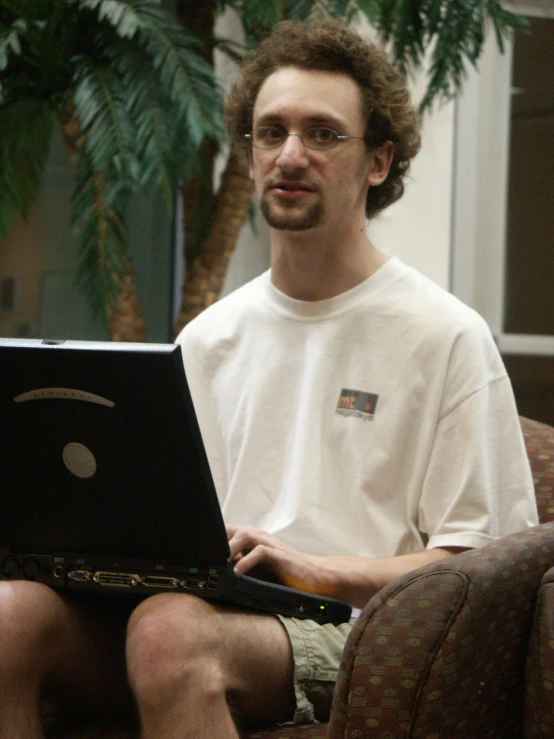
x,y
259,555
246,538
231,529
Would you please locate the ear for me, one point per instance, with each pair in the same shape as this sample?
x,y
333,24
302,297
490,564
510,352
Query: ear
x,y
381,159
250,163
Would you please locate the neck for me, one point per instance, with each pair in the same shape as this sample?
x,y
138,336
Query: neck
x,y
307,265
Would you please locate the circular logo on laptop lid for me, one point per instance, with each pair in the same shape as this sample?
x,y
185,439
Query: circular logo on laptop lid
x,y
79,460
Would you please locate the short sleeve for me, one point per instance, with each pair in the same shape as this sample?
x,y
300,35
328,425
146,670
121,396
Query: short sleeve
x,y
478,485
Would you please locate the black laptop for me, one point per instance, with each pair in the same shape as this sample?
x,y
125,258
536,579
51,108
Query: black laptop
x,y
105,483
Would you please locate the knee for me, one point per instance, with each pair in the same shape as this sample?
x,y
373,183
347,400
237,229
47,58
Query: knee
x,y
27,618
171,640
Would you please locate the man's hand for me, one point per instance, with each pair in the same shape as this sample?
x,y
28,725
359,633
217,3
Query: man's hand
x,y
251,547
347,577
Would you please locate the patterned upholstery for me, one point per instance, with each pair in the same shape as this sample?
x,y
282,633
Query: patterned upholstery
x,y
539,696
539,442
440,653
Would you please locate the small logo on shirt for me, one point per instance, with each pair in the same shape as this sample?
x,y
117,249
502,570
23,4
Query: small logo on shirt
x,y
357,403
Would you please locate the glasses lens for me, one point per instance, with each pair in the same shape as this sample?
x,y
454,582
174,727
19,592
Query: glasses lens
x,y
317,137
268,137
320,137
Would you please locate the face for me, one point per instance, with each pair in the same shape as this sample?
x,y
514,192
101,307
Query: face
x,y
301,188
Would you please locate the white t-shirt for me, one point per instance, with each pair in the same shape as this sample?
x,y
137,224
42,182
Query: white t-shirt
x,y
376,423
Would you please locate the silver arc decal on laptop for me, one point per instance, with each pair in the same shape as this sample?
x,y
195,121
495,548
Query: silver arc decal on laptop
x,y
65,393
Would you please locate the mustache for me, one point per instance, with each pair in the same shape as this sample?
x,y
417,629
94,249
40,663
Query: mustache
x,y
278,180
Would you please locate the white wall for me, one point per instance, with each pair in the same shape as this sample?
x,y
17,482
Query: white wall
x,y
417,228
480,175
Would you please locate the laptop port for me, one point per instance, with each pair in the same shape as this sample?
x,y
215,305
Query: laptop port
x,y
191,584
80,575
159,581
116,579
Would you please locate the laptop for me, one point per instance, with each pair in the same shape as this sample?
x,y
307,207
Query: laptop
x,y
106,486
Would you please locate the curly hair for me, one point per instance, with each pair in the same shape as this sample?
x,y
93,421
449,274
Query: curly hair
x,y
331,46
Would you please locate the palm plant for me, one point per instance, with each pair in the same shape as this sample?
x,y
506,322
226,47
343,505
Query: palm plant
x,y
135,95
454,30
135,100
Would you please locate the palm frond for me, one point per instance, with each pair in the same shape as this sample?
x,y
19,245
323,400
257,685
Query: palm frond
x,y
505,22
23,154
262,16
459,36
299,9
160,137
97,207
186,78
344,9
453,29
233,49
409,36
121,14
9,42
371,9
101,102
222,5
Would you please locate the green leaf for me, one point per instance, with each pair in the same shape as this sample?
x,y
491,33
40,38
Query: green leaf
x,y
158,128
505,23
371,9
121,14
23,154
262,15
186,78
408,44
100,99
434,15
97,205
298,9
454,31
9,41
233,49
345,9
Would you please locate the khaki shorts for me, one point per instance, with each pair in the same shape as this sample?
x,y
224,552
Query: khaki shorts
x,y
317,650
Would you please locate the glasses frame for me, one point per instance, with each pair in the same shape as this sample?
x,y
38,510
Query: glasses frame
x,y
339,138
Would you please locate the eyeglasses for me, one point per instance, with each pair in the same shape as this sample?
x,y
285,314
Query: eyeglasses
x,y
320,138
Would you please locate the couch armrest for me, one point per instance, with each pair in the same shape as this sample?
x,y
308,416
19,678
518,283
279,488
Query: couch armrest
x,y
539,675
442,650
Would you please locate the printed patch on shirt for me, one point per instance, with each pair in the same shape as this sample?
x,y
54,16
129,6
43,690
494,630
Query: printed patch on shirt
x,y
357,403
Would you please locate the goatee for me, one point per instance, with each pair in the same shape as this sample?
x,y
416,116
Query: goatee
x,y
292,221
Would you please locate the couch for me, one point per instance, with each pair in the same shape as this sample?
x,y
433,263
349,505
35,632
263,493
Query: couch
x,y
459,649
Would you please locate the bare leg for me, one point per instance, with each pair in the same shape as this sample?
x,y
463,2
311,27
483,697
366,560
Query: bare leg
x,y
51,646
189,661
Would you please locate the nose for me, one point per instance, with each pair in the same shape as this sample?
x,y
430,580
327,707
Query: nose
x,y
293,153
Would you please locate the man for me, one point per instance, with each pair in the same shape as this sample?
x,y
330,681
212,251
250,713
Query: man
x,y
358,421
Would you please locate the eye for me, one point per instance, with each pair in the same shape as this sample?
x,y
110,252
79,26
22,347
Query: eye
x,y
321,136
269,134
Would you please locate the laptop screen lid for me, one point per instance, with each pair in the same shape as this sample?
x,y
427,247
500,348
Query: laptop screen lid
x,y
102,452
